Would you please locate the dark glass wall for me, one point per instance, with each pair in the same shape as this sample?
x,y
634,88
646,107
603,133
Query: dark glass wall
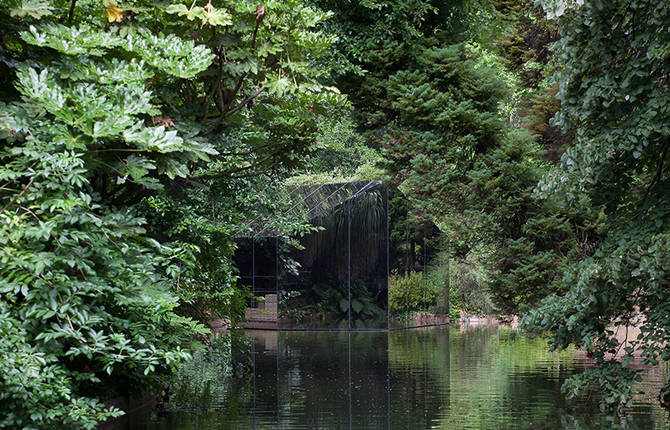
x,y
338,277
419,271
258,264
369,260
265,277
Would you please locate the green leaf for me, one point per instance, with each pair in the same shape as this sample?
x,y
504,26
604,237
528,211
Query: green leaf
x,y
344,305
36,9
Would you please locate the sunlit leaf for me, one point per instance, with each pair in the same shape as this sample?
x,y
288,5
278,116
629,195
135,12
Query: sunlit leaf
x,y
114,12
32,8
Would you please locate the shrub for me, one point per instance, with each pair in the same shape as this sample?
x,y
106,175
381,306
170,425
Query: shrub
x,y
411,293
85,304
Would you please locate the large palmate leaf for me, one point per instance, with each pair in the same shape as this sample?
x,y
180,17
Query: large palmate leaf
x,y
207,15
32,9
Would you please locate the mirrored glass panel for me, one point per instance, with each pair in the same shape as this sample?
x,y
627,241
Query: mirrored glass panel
x,y
368,261
418,287
337,277
313,287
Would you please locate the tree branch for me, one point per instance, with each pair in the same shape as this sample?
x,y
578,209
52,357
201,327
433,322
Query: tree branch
x,y
659,172
17,197
30,212
259,19
250,175
234,93
70,15
231,172
244,102
251,151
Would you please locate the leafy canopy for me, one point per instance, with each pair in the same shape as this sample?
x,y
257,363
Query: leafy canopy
x,y
614,92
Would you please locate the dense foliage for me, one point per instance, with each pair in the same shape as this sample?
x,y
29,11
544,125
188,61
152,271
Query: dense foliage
x,y
412,292
138,139
85,292
202,382
449,147
135,140
614,92
446,117
437,106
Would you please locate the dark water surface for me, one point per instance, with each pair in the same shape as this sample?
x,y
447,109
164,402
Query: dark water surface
x,y
439,377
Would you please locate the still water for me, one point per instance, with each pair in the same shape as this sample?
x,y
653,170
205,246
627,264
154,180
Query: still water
x,y
438,377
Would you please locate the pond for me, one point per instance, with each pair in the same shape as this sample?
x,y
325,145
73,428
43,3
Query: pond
x,y
437,377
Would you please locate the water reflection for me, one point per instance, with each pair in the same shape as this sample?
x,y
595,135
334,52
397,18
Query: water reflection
x,y
438,377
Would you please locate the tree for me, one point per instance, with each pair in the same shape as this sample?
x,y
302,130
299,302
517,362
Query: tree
x,y
614,92
454,156
85,293
432,100
113,114
260,105
524,45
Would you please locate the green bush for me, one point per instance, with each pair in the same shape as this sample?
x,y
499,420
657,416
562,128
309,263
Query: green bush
x,y
411,293
468,288
335,300
35,390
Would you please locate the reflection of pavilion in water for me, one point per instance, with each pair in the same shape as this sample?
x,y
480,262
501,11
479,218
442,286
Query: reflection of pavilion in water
x,y
352,379
440,377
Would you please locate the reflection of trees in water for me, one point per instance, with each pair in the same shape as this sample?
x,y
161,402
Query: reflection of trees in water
x,y
497,378
218,378
439,377
419,366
